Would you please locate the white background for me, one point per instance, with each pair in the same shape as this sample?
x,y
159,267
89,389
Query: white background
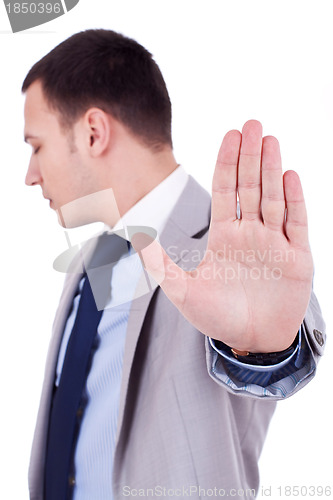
x,y
224,62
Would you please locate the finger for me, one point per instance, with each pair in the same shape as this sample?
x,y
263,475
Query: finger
x,y
249,184
224,190
272,195
296,225
171,278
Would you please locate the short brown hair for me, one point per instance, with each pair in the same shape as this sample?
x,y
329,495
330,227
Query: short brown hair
x,y
105,69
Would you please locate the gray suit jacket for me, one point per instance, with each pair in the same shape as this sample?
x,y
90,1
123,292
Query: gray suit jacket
x,y
179,425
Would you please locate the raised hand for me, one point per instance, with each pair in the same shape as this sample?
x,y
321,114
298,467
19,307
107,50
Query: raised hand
x,y
252,288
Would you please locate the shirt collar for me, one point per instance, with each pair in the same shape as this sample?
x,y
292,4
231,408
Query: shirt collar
x,y
154,209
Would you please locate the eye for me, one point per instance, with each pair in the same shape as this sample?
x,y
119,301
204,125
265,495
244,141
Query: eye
x,y
35,151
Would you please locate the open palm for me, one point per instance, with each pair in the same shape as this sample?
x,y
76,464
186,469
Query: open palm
x,y
252,288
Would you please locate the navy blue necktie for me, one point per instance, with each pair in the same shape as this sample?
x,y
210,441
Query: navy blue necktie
x,y
67,405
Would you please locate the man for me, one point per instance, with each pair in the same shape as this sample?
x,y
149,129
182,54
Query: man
x,y
162,411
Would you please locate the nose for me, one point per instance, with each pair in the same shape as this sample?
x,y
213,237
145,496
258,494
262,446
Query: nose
x,y
33,175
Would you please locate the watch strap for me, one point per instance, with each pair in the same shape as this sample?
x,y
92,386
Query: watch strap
x,y
258,358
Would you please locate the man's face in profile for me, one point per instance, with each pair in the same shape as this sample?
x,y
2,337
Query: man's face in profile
x,y
57,163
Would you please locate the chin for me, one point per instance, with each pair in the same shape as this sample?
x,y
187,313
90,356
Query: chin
x,y
75,219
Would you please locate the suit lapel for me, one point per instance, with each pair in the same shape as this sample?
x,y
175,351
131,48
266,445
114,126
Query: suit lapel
x,y
36,470
189,218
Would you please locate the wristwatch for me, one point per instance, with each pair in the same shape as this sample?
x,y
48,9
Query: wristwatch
x,y
261,359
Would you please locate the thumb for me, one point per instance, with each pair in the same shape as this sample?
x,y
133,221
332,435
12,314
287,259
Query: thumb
x,y
171,278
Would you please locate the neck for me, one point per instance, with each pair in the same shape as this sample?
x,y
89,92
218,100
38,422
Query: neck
x,y
136,171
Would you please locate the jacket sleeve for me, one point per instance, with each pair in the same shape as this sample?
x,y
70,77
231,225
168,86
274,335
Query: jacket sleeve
x,y
278,383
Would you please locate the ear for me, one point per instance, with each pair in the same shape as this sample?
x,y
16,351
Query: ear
x,y
97,131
